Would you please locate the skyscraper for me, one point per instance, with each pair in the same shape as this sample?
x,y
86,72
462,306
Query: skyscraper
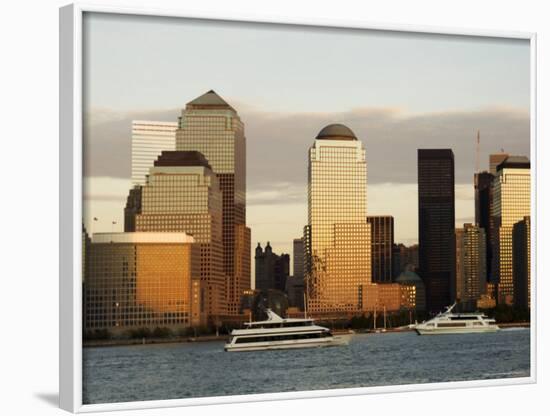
x,y
436,226
470,265
337,237
521,252
483,197
212,127
182,194
511,203
298,257
295,283
149,139
381,227
132,208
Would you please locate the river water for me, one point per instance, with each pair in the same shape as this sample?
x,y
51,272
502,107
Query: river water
x,y
174,371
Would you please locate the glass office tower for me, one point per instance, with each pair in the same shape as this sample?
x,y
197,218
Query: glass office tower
x,y
182,194
149,139
381,247
511,203
470,265
436,226
337,237
211,126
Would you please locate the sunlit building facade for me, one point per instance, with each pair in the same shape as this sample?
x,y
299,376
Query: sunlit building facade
x,y
337,237
382,297
142,280
211,126
511,203
470,265
413,291
182,195
149,139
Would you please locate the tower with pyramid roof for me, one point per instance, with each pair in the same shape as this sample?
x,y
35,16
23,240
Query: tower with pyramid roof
x,y
209,125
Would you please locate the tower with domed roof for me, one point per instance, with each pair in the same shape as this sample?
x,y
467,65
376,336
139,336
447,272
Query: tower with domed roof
x,y
337,237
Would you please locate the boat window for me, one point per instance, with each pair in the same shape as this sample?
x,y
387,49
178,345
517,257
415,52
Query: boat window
x,y
282,337
292,324
451,324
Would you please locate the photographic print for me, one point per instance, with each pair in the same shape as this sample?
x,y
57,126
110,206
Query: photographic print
x,y
277,208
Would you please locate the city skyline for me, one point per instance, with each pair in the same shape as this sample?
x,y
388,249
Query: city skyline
x,y
477,84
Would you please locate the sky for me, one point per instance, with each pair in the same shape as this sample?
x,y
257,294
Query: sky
x,y
397,91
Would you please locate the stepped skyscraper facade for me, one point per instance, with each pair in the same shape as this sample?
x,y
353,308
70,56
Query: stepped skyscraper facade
x,y
212,127
182,194
337,238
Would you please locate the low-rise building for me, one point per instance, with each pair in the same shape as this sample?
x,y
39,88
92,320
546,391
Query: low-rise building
x,y
413,291
143,280
379,296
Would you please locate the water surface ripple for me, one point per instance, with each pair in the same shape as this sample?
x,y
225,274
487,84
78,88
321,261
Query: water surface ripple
x,y
172,371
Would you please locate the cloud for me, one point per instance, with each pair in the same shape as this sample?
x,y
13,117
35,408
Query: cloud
x,y
277,193
277,143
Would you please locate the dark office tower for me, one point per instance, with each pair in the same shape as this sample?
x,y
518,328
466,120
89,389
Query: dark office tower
x,y
298,257
436,226
381,247
521,259
132,208
483,197
295,283
271,270
211,126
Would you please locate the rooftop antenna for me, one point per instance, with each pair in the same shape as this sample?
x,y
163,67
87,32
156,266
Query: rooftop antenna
x,y
477,152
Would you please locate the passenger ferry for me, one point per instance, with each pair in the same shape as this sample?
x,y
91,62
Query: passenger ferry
x,y
456,323
277,333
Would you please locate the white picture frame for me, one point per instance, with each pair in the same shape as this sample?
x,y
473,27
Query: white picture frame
x,y
70,214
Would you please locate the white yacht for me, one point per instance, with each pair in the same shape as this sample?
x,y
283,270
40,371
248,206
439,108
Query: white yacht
x,y
278,333
456,323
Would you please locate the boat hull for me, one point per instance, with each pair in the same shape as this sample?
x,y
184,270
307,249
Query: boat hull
x,y
470,330
289,344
